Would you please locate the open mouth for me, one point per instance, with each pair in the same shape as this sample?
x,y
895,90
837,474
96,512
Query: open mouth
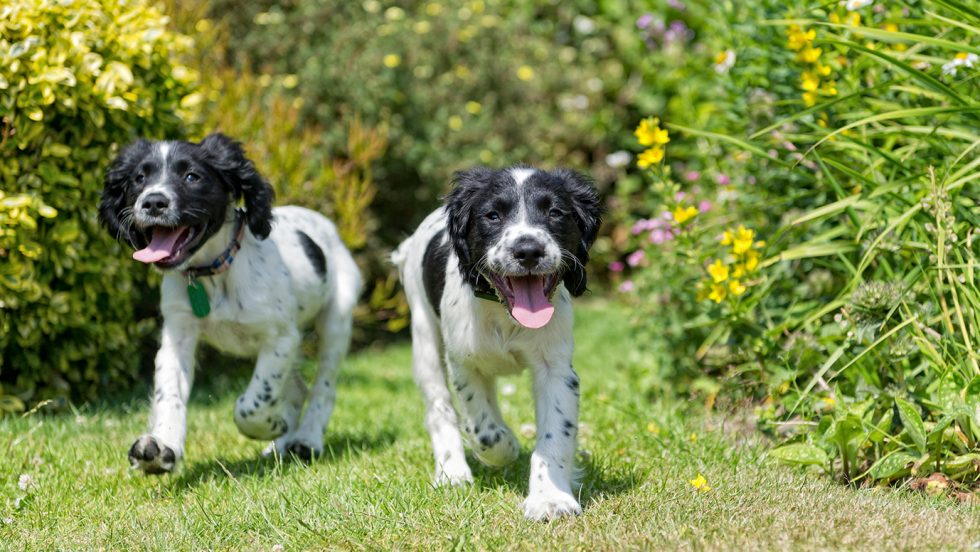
x,y
168,246
528,297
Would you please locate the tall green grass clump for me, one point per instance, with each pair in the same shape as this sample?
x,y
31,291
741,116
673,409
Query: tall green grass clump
x,y
852,170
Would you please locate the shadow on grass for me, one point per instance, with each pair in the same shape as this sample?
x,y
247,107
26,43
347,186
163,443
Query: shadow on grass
x,y
597,480
337,446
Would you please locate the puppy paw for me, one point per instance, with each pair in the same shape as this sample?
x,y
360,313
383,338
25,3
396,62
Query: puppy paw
x,y
151,456
453,472
260,420
303,448
546,506
496,447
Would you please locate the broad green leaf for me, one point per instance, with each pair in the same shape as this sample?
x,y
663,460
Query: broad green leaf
x,y
888,466
800,454
912,422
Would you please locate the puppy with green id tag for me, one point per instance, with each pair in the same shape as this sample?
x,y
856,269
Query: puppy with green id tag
x,y
247,280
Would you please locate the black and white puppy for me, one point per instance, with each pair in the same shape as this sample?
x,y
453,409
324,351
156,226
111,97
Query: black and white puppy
x,y
247,282
489,279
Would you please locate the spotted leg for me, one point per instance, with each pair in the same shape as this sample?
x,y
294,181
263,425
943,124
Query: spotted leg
x,y
490,438
263,411
556,395
159,450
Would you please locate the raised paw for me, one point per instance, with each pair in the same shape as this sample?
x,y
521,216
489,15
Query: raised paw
x,y
260,420
294,445
496,447
546,506
152,457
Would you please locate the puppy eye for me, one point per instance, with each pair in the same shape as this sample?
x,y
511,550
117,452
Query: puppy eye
x,y
556,213
493,216
140,178
190,178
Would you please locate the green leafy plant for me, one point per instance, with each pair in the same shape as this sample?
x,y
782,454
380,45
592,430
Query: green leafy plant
x,y
77,81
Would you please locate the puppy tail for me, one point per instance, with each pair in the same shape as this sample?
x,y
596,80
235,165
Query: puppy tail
x,y
399,256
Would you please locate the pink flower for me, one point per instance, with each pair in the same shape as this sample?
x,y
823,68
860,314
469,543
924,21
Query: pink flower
x,y
643,225
679,196
789,145
691,176
616,266
626,286
660,236
704,206
666,215
635,258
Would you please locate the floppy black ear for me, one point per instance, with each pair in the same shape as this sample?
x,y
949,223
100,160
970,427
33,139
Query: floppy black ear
x,y
228,158
588,213
459,207
112,204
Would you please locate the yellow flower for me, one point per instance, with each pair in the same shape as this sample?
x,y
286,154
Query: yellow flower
x,y
799,38
829,88
455,122
809,55
834,18
854,19
700,483
525,73
683,214
473,108
392,60
718,271
809,81
751,260
809,99
718,293
422,27
890,27
742,240
692,437
829,401
738,271
650,157
736,287
649,133
652,428
822,70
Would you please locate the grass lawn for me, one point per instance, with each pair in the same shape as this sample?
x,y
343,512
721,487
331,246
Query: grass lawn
x,y
373,490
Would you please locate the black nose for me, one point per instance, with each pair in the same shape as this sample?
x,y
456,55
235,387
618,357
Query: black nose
x,y
528,252
155,204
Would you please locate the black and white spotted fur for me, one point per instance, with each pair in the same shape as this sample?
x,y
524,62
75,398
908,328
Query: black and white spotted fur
x,y
499,223
292,272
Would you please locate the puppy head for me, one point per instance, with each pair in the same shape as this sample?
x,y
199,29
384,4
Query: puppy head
x,y
524,230
167,199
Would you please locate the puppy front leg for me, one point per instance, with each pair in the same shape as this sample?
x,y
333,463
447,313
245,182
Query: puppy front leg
x,y
556,392
159,450
490,438
262,411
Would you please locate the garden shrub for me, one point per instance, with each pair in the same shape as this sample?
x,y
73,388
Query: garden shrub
x,y
449,81
78,80
857,327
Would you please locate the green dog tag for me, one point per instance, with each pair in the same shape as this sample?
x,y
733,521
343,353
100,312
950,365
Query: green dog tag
x,y
199,298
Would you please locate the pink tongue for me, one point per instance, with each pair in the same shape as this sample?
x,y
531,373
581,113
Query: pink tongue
x,y
161,246
531,308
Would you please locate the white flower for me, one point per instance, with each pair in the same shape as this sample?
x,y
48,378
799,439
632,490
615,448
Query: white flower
x,y
583,24
725,61
618,159
962,59
508,389
528,430
852,5
25,481
8,520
